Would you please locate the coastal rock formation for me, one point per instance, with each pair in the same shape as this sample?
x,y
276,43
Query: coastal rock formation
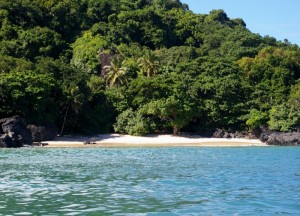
x,y
14,132
220,133
42,132
2,143
280,138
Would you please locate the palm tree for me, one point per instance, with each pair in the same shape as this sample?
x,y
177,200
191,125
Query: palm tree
x,y
75,99
115,72
149,63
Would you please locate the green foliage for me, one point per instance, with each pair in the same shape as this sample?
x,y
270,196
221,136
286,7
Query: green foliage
x,y
281,118
116,73
168,68
149,64
29,94
132,123
74,99
217,16
294,97
86,52
256,118
271,74
8,63
294,104
171,110
39,42
221,89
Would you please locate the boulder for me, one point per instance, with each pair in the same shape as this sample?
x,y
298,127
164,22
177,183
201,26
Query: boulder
x,y
241,134
42,132
15,132
106,58
219,133
257,132
2,143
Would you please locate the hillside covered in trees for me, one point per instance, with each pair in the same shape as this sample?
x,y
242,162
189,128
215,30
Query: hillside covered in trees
x,y
142,66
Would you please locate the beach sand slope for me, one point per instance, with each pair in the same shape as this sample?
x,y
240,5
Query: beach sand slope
x,y
117,140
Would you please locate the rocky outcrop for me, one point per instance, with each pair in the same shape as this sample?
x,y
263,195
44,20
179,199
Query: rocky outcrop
x,y
266,136
280,138
2,143
221,133
42,132
14,132
105,59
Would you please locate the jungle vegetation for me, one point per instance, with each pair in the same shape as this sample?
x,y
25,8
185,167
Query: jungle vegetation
x,y
167,69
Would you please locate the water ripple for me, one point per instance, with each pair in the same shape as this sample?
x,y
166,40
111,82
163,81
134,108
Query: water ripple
x,y
150,181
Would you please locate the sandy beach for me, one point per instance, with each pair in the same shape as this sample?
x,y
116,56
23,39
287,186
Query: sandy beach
x,y
117,140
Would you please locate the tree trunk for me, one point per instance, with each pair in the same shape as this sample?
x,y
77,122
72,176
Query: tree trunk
x,y
62,128
175,131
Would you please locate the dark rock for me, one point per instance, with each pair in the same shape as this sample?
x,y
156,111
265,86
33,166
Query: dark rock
x,y
228,135
16,132
86,142
280,138
206,133
241,134
219,133
2,142
257,132
264,137
42,132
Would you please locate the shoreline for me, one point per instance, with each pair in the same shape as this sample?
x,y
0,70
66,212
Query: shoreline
x,y
117,140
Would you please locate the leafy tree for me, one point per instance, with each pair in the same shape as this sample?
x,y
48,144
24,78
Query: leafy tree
x,y
66,17
281,119
217,16
294,103
8,63
97,113
143,26
25,14
29,94
39,42
256,118
99,10
202,71
132,123
294,97
223,94
171,110
86,52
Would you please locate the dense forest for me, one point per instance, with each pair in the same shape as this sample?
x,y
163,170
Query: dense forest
x,y
142,66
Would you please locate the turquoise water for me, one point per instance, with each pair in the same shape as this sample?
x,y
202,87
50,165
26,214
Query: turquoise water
x,y
150,181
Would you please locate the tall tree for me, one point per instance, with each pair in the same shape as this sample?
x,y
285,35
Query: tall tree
x,y
75,99
149,63
116,72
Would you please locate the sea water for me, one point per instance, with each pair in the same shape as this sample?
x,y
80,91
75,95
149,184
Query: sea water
x,y
150,181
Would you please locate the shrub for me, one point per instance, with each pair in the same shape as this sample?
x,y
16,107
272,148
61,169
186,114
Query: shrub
x,y
132,123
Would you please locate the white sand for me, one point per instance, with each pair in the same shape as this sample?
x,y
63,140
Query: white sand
x,y
117,140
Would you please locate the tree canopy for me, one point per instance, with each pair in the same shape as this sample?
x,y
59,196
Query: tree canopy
x,y
165,68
